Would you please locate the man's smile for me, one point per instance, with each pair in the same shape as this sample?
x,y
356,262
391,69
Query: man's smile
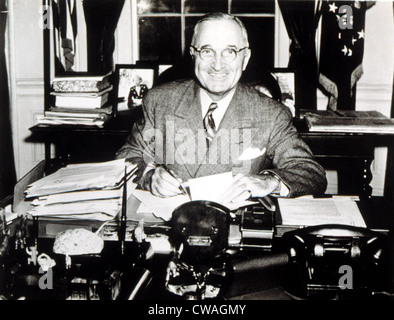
x,y
218,76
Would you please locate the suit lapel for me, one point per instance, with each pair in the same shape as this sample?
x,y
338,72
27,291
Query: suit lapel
x,y
228,142
188,128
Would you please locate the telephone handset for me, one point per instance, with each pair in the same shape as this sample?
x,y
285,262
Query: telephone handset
x,y
356,241
317,254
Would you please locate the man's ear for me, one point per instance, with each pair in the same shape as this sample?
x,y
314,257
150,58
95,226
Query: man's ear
x,y
246,59
191,51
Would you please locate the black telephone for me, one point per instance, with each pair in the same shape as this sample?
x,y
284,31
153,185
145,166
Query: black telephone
x,y
334,260
200,264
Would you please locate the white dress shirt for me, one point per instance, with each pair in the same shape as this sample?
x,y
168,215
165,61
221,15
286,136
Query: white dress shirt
x,y
223,104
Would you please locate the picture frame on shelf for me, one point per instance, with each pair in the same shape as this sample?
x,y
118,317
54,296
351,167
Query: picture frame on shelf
x,y
132,82
286,81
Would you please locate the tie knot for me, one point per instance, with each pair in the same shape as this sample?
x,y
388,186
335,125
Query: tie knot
x,y
212,107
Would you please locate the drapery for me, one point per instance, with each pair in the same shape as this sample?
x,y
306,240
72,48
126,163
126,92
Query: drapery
x,y
101,18
301,19
7,166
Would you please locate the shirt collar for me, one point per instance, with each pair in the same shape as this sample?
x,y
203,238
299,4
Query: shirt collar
x,y
222,104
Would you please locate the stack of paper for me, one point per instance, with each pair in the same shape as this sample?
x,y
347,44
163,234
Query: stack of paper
x,y
309,211
82,191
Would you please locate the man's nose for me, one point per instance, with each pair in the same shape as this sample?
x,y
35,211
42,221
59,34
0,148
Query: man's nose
x,y
217,62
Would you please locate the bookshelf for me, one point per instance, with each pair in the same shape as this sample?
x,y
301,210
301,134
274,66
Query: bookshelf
x,y
73,143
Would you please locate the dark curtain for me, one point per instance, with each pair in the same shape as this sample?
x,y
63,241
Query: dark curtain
x,y
301,19
7,166
101,18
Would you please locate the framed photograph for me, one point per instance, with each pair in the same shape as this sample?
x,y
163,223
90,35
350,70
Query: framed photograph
x,y
132,83
286,80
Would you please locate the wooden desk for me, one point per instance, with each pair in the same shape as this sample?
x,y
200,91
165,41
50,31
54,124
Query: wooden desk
x,y
351,154
257,273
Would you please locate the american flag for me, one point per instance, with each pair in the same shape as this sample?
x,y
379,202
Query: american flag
x,y
65,32
341,50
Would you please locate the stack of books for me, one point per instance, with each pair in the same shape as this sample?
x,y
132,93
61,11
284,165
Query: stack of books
x,y
87,191
79,99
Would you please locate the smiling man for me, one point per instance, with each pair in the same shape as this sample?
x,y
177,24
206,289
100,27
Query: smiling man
x,y
214,124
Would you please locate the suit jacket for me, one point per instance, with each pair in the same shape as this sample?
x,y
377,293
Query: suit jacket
x,y
256,135
134,95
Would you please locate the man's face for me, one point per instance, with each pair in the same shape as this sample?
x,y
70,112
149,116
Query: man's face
x,y
218,76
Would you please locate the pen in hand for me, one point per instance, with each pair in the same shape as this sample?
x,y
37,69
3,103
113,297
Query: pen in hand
x,y
181,187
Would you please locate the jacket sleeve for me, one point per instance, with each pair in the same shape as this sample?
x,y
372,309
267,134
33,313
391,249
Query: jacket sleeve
x,y
139,146
292,160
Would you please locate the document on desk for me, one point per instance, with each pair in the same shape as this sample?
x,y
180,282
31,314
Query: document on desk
x,y
159,207
88,191
309,211
79,177
209,188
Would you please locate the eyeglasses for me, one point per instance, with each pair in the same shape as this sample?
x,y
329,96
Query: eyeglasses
x,y
208,54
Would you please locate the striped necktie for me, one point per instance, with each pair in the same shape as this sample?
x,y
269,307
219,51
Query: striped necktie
x,y
209,123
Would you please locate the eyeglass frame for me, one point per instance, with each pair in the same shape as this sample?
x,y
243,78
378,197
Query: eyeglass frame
x,y
221,53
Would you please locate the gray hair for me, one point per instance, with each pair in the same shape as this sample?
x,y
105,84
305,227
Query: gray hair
x,y
219,16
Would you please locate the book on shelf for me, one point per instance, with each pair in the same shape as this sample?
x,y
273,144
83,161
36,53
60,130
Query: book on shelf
x,y
82,100
81,82
97,113
98,121
85,117
348,121
104,109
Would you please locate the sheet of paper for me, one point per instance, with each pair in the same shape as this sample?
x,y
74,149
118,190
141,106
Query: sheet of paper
x,y
160,207
210,187
310,211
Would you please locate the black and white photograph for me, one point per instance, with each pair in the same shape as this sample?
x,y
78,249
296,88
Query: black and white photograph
x,y
133,84
196,158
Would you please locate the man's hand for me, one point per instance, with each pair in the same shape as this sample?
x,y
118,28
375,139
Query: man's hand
x,y
165,184
246,186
